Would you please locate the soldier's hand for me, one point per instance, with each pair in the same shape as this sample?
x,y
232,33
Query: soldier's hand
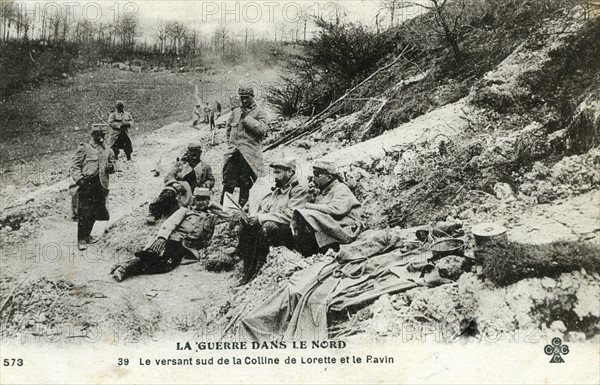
x,y
253,220
179,188
158,246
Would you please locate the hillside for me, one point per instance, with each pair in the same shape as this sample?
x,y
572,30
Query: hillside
x,y
508,136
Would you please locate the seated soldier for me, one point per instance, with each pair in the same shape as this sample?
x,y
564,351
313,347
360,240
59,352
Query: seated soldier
x,y
270,226
182,235
334,217
183,177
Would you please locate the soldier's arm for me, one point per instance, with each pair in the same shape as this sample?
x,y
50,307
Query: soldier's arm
x,y
112,123
298,197
172,222
171,176
77,163
210,178
229,120
258,125
340,205
129,119
112,162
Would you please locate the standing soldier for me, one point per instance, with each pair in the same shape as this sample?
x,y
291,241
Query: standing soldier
x,y
197,114
208,110
246,128
91,165
120,121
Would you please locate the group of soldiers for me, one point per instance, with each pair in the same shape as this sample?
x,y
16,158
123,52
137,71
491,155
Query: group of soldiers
x,y
310,218
206,114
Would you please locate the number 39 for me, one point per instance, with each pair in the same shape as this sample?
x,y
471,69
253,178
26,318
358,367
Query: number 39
x,y
123,361
12,362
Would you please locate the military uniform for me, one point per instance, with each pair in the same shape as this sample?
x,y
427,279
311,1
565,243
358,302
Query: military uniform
x,y
119,136
333,219
246,128
273,228
186,232
90,169
188,172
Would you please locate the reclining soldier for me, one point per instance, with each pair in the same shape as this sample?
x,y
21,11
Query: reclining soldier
x,y
183,177
270,226
333,219
182,235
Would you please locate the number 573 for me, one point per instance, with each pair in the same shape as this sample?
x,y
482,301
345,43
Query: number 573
x,y
12,362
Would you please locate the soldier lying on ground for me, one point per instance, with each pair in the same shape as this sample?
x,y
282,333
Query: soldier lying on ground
x,y
334,217
183,177
182,235
270,226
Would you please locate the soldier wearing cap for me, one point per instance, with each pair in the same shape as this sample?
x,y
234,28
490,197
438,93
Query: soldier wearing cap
x,y
270,226
90,169
333,219
120,121
182,235
185,174
247,126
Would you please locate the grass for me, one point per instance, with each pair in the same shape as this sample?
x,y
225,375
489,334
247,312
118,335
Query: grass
x,y
54,116
507,263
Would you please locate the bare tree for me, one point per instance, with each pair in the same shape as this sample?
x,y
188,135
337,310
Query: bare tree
x,y
127,29
178,32
161,35
392,7
445,22
221,35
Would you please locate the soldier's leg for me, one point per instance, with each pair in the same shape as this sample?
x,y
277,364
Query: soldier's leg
x,y
172,256
304,236
277,234
85,211
247,178
230,176
127,146
247,249
164,204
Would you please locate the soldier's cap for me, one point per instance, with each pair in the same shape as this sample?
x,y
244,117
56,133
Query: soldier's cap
x,y
197,105
98,127
324,166
202,192
285,163
119,103
195,148
246,91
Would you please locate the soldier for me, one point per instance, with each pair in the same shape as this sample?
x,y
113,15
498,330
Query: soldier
x,y
120,121
183,235
197,114
333,219
208,111
184,176
90,169
270,226
247,126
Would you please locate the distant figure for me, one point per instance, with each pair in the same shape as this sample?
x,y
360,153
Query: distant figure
x,y
219,108
333,219
91,165
182,235
198,114
246,128
120,121
207,112
211,116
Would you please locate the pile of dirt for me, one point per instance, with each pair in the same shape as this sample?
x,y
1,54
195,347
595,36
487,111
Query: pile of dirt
x,y
38,307
476,308
573,175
